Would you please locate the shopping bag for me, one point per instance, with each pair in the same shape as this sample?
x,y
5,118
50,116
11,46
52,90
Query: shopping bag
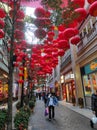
x,y
46,111
94,119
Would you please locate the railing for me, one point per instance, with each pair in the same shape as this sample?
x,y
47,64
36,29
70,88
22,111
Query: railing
x,y
67,54
88,37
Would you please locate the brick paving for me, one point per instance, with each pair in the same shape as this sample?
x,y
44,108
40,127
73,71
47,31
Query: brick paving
x,y
65,119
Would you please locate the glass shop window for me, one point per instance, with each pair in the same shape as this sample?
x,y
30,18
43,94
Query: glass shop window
x,y
87,85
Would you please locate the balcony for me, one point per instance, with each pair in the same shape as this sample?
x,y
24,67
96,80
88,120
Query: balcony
x,y
87,38
65,59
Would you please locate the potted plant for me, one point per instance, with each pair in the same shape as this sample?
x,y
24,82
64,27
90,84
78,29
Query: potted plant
x,y
32,104
21,120
18,105
3,117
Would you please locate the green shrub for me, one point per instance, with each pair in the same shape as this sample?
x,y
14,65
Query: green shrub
x,y
3,118
31,104
21,120
18,105
26,100
33,98
26,109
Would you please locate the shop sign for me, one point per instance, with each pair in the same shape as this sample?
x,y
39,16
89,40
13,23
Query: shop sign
x,y
69,76
91,67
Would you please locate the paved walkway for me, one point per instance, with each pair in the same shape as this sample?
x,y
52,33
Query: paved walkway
x,y
67,117
83,111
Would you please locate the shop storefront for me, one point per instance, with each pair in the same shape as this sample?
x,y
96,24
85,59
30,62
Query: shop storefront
x,y
69,87
89,80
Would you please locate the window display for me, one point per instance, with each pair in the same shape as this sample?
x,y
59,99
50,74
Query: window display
x,y
87,85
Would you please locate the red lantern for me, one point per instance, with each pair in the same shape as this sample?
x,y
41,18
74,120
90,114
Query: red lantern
x,y
50,34
1,33
61,28
75,40
19,59
2,13
21,68
70,32
20,74
61,36
19,34
62,44
93,9
39,12
47,14
2,24
78,3
20,81
19,24
40,33
39,22
61,52
91,1
20,14
81,14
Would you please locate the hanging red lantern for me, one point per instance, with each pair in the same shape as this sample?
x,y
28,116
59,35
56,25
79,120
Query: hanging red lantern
x,y
39,12
20,14
19,24
91,1
61,36
61,52
47,14
50,34
2,13
70,32
61,27
93,9
20,81
21,74
19,34
19,59
72,24
40,33
1,33
75,40
62,44
77,3
2,24
39,22
81,14
21,68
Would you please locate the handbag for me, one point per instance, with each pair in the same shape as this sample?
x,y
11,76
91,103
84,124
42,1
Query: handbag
x,y
94,119
46,111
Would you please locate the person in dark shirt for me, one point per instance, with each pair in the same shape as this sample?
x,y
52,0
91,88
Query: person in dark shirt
x,y
94,106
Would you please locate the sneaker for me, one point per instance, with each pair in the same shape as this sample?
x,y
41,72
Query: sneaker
x,y
91,124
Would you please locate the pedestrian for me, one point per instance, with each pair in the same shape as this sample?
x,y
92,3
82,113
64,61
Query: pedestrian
x,y
45,99
51,103
94,106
